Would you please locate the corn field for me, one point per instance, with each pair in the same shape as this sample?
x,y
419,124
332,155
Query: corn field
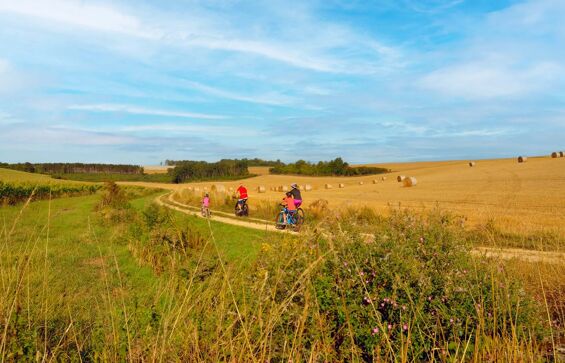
x,y
13,193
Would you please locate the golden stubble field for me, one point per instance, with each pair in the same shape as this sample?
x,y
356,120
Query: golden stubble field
x,y
518,197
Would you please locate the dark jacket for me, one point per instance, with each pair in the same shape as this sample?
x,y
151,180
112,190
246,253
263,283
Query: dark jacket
x,y
296,193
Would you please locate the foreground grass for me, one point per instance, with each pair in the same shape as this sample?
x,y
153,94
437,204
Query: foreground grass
x,y
68,276
142,283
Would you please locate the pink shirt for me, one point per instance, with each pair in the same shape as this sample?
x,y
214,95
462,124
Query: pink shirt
x,y
206,201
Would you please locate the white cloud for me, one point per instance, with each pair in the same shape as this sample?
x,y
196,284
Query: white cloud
x,y
267,99
80,14
143,111
203,29
482,80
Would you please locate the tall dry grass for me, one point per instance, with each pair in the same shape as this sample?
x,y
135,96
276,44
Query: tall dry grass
x,y
414,293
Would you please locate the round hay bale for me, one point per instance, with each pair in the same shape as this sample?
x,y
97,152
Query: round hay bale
x,y
218,188
361,183
561,154
471,163
400,178
191,189
410,182
307,187
341,185
230,189
196,189
282,188
375,181
261,189
555,154
522,159
383,178
328,186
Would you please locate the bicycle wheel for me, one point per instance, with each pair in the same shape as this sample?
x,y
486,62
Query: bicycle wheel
x,y
237,210
245,210
300,212
298,221
279,221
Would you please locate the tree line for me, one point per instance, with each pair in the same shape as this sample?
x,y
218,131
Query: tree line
x,y
336,167
250,162
74,168
187,170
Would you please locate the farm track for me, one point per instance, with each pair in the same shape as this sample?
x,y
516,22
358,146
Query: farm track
x,y
167,201
532,256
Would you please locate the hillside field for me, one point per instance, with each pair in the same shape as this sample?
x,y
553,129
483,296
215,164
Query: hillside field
x,y
521,198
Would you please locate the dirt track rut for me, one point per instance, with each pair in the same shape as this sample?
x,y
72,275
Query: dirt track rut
x,y
254,223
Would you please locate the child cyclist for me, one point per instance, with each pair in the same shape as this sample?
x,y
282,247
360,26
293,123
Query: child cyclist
x,y
290,206
206,205
241,194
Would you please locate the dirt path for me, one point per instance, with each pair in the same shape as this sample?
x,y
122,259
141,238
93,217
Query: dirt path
x,y
254,223
167,201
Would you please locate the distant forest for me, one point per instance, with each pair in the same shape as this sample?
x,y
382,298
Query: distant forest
x,y
74,168
250,162
186,170
336,167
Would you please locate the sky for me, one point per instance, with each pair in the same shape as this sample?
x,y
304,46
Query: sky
x,y
142,81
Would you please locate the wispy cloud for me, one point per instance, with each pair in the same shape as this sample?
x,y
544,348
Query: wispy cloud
x,y
271,98
135,110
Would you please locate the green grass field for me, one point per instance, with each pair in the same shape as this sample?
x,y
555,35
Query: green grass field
x,y
83,280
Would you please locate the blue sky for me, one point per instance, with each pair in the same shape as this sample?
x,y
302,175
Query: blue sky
x,y
372,81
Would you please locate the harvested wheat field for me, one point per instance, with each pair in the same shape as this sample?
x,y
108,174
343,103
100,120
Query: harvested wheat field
x,y
518,197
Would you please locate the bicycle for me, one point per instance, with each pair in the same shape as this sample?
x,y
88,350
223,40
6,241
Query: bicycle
x,y
293,220
205,212
241,208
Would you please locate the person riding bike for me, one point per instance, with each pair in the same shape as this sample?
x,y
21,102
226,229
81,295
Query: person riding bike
x,y
290,206
241,194
206,204
296,195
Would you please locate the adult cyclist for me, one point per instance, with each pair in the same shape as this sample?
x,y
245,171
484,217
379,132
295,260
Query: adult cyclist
x,y
242,196
296,195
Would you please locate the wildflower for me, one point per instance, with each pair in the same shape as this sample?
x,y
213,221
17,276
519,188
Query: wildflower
x,y
404,307
451,320
374,331
421,239
429,298
405,327
361,273
382,305
389,326
345,263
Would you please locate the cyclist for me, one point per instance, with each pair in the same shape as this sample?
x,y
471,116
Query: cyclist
x,y
296,195
206,204
242,196
290,206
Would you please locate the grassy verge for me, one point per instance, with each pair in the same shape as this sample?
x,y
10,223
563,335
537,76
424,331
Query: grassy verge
x,y
100,278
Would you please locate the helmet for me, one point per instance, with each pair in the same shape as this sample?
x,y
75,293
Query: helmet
x,y
206,194
294,186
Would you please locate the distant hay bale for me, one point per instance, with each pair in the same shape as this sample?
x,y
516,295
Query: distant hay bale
x,y
522,159
383,178
341,185
410,181
555,154
361,183
261,189
307,187
196,189
471,163
218,188
282,188
230,189
375,181
400,178
328,186
191,189
561,154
